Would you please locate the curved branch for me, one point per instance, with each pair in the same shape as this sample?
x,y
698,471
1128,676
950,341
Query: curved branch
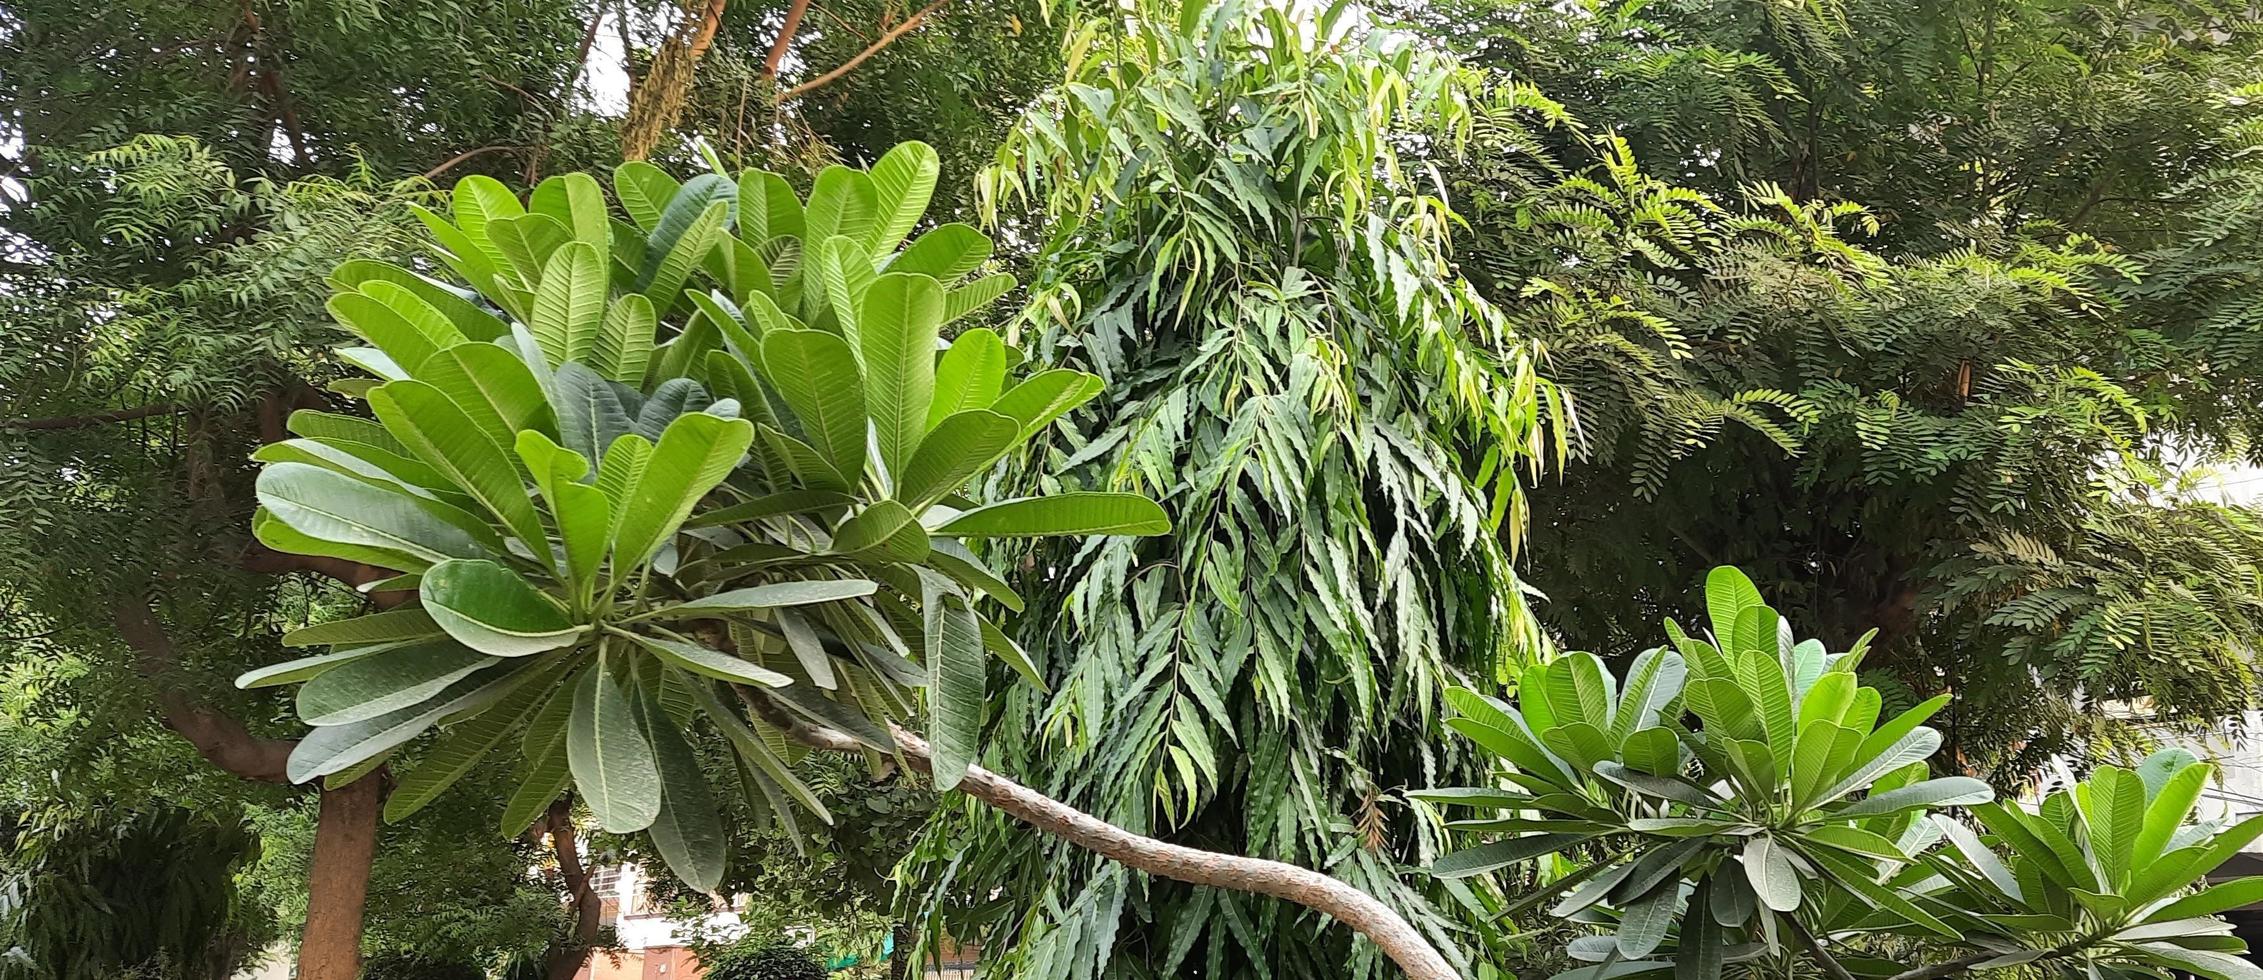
x,y
910,24
219,738
1303,886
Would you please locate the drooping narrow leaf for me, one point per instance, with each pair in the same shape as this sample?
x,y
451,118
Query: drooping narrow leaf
x,y
955,687
458,750
772,595
687,832
392,624
707,662
294,671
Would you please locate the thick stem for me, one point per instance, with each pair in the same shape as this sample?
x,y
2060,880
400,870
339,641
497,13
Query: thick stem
x,y
785,39
219,738
1303,886
337,888
568,953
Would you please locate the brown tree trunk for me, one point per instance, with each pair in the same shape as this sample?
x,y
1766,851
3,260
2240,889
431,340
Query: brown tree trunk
x,y
899,962
345,843
567,955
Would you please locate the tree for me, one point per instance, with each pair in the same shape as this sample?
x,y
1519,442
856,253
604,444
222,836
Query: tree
x,y
1945,414
1230,233
675,572
1791,822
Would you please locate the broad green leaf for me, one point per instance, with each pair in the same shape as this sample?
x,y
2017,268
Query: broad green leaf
x,y
336,748
468,318
576,201
1854,840
457,750
1769,869
392,624
491,609
1046,396
569,306
662,280
543,779
694,455
493,388
2200,962
384,327
902,182
1006,649
584,517
770,596
610,757
816,374
425,419
2113,808
1643,926
687,832
966,300
624,343
331,506
1728,593
955,687
897,322
773,505
2210,901
952,453
294,671
842,201
971,375
644,190
1495,856
673,399
768,207
590,413
884,531
527,243
945,252
1857,876
478,201
2172,800
1946,791
953,559
707,662
388,681
1066,513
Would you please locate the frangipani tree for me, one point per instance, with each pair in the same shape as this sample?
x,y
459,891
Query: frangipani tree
x,y
1740,798
707,465
611,488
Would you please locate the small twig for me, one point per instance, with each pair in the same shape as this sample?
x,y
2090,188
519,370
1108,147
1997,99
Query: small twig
x,y
1815,950
910,24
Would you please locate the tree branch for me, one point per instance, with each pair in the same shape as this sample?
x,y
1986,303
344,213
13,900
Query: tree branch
x,y
268,561
910,24
1303,886
85,421
220,739
569,952
450,163
1815,950
785,38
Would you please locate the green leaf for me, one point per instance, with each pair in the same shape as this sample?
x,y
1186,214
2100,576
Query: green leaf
x,y
424,418
1946,791
590,413
610,757
945,252
2205,963
953,559
393,624
382,325
527,242
545,777
491,609
583,515
2172,800
468,318
569,306
1046,396
971,375
768,207
884,531
294,671
1728,593
662,280
493,388
479,201
842,201
2210,901
336,748
1644,925
2112,801
1769,868
388,681
1066,513
688,833
770,596
773,505
1501,854
816,374
575,201
644,190
902,182
898,320
331,506
1006,649
965,300
624,343
694,455
710,663
457,750
955,687
963,445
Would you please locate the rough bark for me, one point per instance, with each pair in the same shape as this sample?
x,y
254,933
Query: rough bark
x,y
345,844
1303,886
568,953
219,738
899,960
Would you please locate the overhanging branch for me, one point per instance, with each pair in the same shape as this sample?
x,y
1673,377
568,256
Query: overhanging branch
x,y
1303,886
